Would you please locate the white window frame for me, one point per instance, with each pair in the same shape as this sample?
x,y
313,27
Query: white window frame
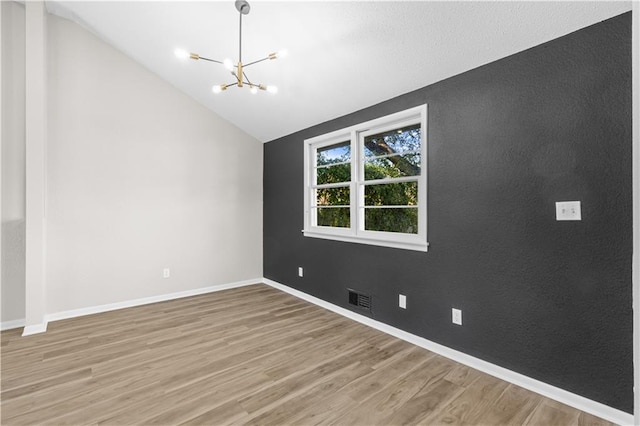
x,y
356,134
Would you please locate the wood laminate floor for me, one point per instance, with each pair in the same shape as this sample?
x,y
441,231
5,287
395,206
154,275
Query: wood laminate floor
x,y
251,355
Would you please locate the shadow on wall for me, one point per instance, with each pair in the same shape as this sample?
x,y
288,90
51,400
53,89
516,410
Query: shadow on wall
x,y
13,270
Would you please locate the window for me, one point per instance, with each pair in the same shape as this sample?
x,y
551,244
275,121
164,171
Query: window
x,y
368,184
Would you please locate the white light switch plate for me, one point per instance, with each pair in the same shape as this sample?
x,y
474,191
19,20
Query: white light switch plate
x,y
456,316
568,210
402,301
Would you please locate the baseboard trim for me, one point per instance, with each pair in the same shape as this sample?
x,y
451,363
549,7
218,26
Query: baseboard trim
x,y
581,403
34,329
74,313
10,325
147,300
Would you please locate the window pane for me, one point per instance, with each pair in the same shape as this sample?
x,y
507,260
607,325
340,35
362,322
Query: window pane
x,y
390,167
392,194
391,220
395,141
333,196
334,174
337,153
339,217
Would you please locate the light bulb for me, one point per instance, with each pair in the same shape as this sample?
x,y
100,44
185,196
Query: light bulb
x,y
272,89
181,54
217,88
253,90
228,64
283,53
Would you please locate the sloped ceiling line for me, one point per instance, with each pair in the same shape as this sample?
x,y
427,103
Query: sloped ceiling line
x,y
343,56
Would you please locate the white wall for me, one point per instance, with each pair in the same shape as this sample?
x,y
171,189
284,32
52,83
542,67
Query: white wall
x,y
140,177
13,162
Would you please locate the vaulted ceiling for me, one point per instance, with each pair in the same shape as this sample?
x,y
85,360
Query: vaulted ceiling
x,y
343,56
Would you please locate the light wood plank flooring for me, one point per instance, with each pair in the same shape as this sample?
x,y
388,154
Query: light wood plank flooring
x,y
251,355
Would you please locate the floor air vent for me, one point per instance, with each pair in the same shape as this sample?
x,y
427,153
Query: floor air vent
x,y
361,300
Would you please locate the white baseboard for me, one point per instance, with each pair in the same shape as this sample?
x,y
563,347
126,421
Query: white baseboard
x,y
9,325
41,328
560,395
147,300
34,329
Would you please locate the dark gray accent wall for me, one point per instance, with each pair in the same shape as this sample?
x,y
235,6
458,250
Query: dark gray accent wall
x,y
547,299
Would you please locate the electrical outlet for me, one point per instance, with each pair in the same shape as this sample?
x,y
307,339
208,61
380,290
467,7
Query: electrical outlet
x,y
568,210
456,316
402,301
166,273
300,271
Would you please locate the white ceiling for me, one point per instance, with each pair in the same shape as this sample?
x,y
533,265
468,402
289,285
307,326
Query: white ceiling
x,y
343,56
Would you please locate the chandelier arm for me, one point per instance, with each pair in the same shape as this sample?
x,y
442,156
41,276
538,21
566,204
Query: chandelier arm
x,y
238,81
258,85
255,62
244,75
211,60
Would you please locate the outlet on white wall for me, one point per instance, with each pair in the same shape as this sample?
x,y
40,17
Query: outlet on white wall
x,y
402,301
166,273
456,316
300,271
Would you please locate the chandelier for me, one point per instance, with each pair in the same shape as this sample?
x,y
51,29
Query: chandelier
x,y
238,70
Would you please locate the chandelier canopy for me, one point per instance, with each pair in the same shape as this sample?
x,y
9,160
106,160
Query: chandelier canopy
x,y
238,70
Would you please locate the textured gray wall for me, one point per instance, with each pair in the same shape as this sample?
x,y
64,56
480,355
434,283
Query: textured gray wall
x,y
551,300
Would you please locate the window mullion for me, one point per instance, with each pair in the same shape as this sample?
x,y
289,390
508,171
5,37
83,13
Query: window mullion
x,y
422,184
331,185
355,155
361,169
386,181
310,181
324,166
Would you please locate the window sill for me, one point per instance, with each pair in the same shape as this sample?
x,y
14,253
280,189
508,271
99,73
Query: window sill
x,y
416,244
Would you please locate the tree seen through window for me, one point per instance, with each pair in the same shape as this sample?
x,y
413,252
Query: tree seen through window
x,y
391,161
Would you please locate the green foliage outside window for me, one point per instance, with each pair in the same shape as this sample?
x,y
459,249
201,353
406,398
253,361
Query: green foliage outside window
x,y
388,155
